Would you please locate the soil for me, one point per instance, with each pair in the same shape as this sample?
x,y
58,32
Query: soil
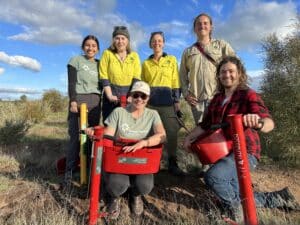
x,y
181,198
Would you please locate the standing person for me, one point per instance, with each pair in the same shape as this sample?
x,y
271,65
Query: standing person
x,y
235,97
160,71
119,69
83,87
139,123
198,66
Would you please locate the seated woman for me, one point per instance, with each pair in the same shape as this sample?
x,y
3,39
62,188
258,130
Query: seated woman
x,y
139,123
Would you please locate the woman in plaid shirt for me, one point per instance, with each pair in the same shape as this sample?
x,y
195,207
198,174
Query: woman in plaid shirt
x,y
235,97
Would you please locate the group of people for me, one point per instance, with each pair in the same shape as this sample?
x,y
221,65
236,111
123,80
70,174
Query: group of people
x,y
210,78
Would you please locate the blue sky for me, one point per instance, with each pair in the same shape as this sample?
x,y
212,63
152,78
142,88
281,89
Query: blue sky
x,y
37,38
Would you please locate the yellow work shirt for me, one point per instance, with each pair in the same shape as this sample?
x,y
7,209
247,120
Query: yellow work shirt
x,y
163,79
117,74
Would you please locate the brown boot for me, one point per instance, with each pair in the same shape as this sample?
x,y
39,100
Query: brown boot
x,y
137,205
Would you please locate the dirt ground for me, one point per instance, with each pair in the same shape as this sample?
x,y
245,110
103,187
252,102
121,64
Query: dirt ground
x,y
184,198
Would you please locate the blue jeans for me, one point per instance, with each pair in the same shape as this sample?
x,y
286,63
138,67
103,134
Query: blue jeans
x,y
222,179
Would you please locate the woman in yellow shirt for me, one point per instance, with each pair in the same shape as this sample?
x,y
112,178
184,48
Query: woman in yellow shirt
x,y
119,68
160,71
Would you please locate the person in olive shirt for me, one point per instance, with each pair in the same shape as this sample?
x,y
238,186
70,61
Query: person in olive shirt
x,y
119,68
83,87
160,71
198,66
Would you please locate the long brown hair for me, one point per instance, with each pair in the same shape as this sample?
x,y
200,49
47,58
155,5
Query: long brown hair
x,y
244,79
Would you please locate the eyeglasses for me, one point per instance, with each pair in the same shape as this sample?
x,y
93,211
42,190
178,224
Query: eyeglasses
x,y
143,96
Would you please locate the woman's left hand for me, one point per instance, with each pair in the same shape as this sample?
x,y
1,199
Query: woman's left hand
x,y
132,148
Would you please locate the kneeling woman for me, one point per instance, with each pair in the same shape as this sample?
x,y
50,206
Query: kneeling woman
x,y
139,123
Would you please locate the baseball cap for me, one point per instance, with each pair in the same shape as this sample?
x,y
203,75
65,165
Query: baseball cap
x,y
140,86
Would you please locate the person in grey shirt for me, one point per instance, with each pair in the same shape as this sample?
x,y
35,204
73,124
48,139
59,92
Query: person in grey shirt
x,y
139,123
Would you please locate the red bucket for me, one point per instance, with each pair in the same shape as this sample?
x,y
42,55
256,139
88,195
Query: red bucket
x,y
142,161
211,147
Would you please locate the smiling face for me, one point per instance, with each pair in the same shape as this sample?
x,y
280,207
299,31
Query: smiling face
x,y
157,43
229,76
139,100
90,48
203,26
120,42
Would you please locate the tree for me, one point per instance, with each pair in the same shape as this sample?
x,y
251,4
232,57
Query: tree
x,y
23,98
281,92
55,100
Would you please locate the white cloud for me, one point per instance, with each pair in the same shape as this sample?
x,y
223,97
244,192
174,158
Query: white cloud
x,y
49,35
59,22
251,21
217,8
22,61
19,90
15,93
104,6
255,73
256,78
176,43
48,21
195,2
2,70
174,27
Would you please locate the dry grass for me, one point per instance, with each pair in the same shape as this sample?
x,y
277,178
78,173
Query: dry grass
x,y
29,193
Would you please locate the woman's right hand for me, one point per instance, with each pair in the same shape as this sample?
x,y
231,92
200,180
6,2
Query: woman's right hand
x,y
191,99
113,98
187,143
73,107
89,131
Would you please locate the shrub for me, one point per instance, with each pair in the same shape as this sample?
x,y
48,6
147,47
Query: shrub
x,y
281,92
35,111
55,100
13,131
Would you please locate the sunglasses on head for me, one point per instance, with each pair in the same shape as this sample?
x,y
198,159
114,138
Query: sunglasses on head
x,y
120,28
157,32
139,95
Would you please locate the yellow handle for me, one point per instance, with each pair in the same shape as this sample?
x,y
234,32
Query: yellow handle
x,y
83,144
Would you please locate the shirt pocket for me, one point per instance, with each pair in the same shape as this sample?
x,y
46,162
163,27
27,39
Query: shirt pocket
x,y
166,72
216,54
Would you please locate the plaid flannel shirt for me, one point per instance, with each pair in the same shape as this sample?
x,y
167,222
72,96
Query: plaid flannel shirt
x,y
241,102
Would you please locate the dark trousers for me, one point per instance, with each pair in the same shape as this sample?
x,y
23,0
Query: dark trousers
x,y
94,109
107,107
117,184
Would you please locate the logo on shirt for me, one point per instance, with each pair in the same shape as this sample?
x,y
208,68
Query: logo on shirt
x,y
88,70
